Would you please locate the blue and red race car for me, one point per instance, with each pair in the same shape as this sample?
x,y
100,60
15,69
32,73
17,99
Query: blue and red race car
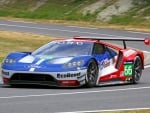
x,y
75,62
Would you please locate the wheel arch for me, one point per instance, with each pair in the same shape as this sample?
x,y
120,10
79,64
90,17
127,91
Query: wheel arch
x,y
142,59
95,61
130,55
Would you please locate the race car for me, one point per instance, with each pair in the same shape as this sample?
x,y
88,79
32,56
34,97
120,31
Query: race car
x,y
75,62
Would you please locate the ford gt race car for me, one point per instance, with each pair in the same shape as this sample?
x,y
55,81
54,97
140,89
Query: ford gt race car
x,y
75,62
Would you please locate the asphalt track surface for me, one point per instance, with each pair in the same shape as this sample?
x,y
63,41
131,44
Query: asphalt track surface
x,y
38,99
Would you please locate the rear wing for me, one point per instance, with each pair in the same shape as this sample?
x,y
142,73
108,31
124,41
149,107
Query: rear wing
x,y
146,40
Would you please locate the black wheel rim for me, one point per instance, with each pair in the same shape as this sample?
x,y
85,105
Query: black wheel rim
x,y
137,69
92,73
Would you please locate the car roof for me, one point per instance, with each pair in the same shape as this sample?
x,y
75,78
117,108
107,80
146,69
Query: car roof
x,y
94,41
77,40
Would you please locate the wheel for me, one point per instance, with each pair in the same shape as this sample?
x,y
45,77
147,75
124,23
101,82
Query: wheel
x,y
92,74
137,70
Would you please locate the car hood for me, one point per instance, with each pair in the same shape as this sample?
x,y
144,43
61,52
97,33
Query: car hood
x,y
42,58
40,63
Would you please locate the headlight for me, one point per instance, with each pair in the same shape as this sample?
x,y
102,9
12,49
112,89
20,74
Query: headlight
x,y
9,61
74,64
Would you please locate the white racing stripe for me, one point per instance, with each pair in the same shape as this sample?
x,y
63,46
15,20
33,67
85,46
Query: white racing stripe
x,y
39,62
111,110
36,64
73,93
27,59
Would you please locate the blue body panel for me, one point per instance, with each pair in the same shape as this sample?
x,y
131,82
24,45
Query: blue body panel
x,y
53,63
45,66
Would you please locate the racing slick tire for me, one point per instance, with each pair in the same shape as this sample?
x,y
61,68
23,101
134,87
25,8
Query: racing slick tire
x,y
137,70
92,74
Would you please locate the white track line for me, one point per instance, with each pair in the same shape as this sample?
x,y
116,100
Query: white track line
x,y
21,21
72,93
111,110
62,30
136,32
147,66
146,51
17,21
83,27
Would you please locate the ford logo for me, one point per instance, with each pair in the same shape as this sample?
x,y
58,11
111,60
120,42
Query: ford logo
x,y
34,66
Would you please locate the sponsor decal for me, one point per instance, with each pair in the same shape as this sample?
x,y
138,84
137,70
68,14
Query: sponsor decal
x,y
34,66
128,69
104,63
70,42
68,75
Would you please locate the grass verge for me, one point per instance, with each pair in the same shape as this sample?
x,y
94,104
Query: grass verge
x,y
82,24
15,41
71,12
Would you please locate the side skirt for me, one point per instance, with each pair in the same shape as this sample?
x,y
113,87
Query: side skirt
x,y
114,82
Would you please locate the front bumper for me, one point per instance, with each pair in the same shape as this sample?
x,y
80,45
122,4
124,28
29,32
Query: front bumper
x,y
62,79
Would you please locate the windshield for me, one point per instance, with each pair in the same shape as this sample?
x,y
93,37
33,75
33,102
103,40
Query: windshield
x,y
65,48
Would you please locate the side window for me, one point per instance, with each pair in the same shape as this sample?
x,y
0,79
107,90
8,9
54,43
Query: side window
x,y
98,49
112,52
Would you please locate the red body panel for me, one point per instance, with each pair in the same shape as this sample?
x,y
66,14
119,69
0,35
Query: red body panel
x,y
128,55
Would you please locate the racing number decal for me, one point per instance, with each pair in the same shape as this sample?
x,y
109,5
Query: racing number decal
x,y
128,69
